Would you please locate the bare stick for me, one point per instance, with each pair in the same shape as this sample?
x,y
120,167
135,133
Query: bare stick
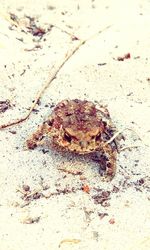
x,y
51,77
129,147
120,132
126,147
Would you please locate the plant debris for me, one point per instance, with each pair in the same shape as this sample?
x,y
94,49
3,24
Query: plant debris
x,y
34,48
69,171
102,215
52,75
26,188
122,58
12,132
34,29
14,17
115,189
112,221
101,64
29,195
4,105
65,190
86,188
70,241
140,181
30,220
102,198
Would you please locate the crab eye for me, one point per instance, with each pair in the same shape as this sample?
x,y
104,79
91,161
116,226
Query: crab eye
x,y
67,137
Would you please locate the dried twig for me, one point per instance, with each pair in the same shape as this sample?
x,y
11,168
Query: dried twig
x,y
126,147
71,171
65,31
28,194
120,132
129,147
53,73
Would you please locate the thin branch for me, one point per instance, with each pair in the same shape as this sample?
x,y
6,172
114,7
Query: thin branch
x,y
129,147
126,147
51,77
120,132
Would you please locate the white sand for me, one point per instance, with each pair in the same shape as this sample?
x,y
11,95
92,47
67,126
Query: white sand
x,y
73,221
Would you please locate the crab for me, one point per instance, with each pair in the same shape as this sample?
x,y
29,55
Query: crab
x,y
82,127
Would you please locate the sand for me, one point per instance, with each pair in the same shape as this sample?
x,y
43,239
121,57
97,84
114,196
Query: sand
x,y
43,207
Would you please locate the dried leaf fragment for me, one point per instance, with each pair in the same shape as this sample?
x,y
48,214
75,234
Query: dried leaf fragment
x,y
112,221
122,58
86,188
30,220
70,241
4,105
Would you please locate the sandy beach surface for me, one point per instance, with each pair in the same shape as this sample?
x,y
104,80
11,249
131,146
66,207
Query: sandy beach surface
x,y
53,200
